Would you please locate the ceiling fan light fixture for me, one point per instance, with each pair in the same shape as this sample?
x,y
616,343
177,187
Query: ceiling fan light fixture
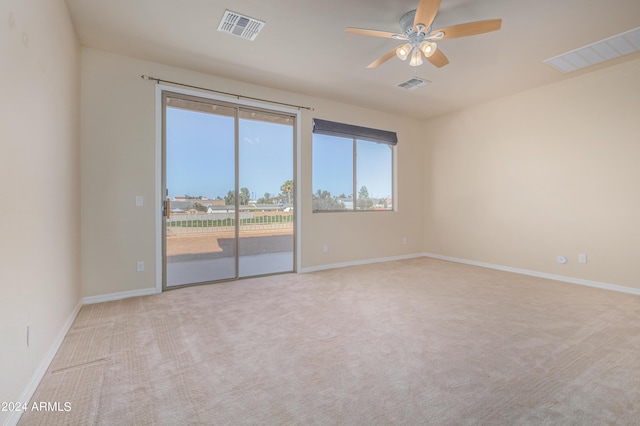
x,y
403,51
428,48
417,32
416,58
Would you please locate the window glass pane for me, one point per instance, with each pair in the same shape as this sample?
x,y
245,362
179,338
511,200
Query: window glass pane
x,y
332,174
200,153
199,170
266,154
374,176
266,197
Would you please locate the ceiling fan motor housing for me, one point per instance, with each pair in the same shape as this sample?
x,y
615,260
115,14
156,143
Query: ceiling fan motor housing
x,y
420,39
406,23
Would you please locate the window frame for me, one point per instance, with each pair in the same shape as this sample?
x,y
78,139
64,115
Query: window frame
x,y
354,177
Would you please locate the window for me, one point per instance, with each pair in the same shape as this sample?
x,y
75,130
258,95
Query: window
x,y
352,167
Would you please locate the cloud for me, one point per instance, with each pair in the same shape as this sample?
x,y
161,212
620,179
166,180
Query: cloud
x,y
252,141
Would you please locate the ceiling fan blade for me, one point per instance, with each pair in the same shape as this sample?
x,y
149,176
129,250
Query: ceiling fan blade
x,y
426,12
375,33
469,29
382,59
438,59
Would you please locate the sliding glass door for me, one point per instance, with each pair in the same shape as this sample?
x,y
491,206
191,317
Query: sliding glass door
x,y
265,242
228,187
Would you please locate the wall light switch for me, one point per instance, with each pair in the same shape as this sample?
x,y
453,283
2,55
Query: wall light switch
x,y
139,200
582,258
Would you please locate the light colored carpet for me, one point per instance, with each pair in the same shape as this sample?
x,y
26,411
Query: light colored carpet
x,y
417,341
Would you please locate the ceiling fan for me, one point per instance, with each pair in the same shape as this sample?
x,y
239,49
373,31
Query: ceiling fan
x,y
421,38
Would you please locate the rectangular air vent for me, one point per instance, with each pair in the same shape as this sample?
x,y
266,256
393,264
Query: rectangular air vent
x,y
600,51
240,25
414,83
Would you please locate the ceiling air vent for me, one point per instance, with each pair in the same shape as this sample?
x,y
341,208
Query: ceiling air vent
x,y
240,25
414,83
600,51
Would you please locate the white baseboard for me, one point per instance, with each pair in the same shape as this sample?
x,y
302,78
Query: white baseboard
x,y
118,296
579,281
358,262
27,394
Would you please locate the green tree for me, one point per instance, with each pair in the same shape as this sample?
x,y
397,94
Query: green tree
x,y
287,191
323,200
199,207
244,196
266,199
230,198
364,202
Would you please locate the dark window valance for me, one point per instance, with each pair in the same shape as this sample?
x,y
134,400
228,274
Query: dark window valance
x,y
332,128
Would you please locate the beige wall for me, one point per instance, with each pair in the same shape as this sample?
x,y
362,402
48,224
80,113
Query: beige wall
x,y
39,136
118,154
551,171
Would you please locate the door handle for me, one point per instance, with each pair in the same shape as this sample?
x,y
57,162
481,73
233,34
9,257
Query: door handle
x,y
167,208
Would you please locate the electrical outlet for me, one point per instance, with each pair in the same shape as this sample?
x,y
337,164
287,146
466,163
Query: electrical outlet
x,y
139,200
404,241
582,258
325,248
27,336
140,266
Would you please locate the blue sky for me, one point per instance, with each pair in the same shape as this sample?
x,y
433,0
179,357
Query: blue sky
x,y
200,158
200,154
333,166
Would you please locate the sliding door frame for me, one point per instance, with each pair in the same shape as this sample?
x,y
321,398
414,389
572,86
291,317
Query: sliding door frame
x,y
159,197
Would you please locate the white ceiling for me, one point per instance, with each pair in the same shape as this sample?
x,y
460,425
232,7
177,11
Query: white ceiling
x,y
303,47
